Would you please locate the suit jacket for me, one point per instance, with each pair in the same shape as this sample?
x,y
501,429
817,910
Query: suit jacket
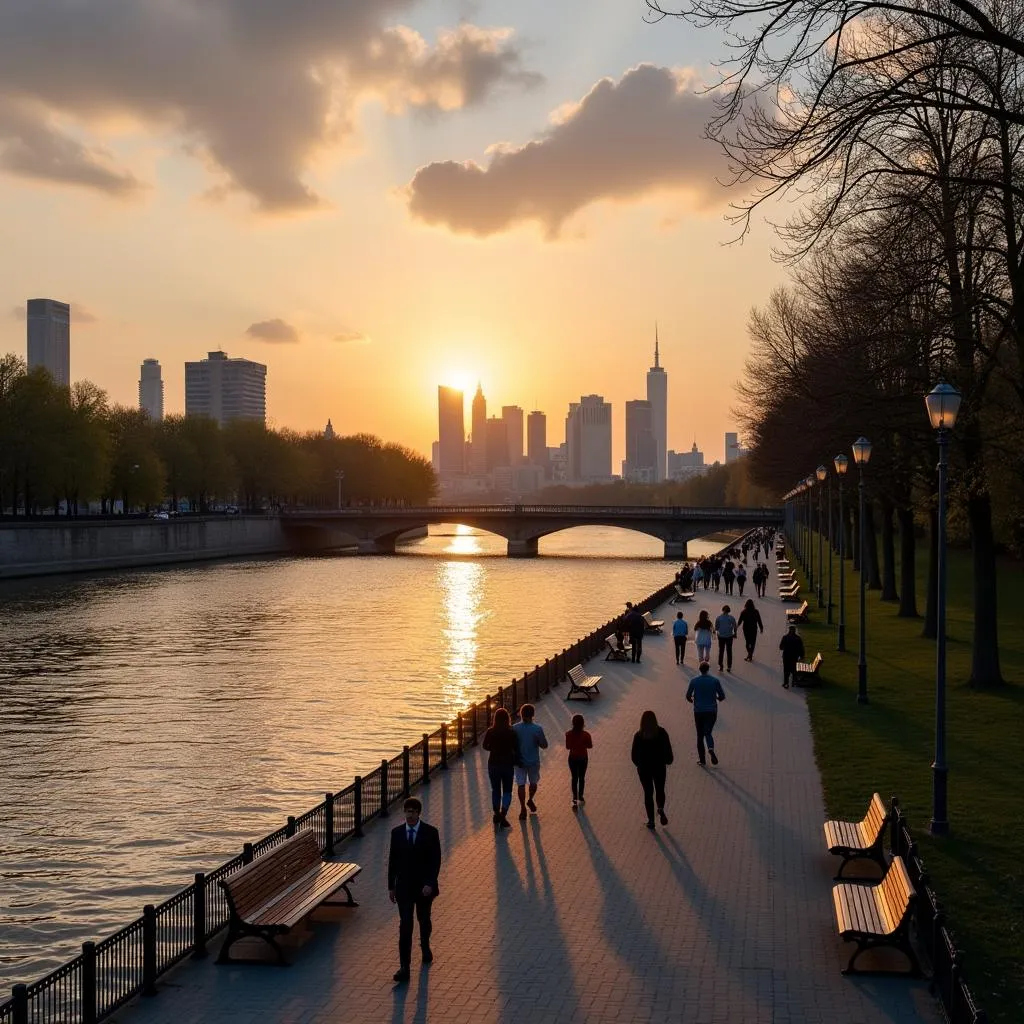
x,y
410,868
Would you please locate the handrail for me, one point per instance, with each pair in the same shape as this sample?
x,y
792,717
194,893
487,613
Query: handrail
x,y
764,514
107,974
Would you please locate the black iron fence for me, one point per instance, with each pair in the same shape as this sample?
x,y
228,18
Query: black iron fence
x,y
107,974
947,981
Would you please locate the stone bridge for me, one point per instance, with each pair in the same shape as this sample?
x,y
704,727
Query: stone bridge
x,y
377,529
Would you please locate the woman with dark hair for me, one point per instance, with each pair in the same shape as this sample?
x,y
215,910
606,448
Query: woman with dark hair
x,y
750,622
652,754
578,741
500,741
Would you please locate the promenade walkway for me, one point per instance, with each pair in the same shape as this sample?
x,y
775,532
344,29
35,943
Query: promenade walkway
x,y
725,915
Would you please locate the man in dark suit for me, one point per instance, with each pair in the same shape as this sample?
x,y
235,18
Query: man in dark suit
x,y
414,863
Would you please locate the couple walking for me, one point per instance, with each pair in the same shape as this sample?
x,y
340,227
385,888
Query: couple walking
x,y
513,756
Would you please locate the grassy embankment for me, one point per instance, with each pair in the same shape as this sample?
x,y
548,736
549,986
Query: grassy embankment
x,y
888,746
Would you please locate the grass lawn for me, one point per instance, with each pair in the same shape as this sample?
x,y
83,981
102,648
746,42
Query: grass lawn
x,y
888,745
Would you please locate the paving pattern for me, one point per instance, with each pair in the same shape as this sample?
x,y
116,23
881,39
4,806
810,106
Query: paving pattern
x,y
724,916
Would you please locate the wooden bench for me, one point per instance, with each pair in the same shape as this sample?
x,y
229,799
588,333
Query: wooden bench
x,y
807,673
798,614
615,652
271,895
877,915
790,593
582,683
681,595
859,840
652,625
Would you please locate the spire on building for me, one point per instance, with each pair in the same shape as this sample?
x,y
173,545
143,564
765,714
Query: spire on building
x,y
657,363
329,430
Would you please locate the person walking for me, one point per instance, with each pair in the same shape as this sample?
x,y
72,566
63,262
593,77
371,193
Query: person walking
x,y
680,631
652,754
741,577
704,693
414,864
503,750
728,575
531,741
725,627
578,742
702,635
750,622
792,647
635,626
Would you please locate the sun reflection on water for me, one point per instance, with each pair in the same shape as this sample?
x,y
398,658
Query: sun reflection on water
x,y
461,587
464,541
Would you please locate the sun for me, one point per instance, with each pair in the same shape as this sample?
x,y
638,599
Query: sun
x,y
461,379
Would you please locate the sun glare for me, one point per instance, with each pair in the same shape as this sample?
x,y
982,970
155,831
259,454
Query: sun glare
x,y
463,380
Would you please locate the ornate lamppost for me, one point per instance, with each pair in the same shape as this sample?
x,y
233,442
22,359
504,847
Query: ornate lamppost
x,y
861,455
809,484
821,472
841,462
943,405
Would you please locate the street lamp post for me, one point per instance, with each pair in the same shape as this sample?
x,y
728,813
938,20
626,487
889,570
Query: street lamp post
x,y
943,404
831,546
339,475
821,473
841,462
810,542
861,455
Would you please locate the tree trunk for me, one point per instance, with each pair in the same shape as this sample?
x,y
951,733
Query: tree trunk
x,y
888,554
871,547
908,566
931,604
985,652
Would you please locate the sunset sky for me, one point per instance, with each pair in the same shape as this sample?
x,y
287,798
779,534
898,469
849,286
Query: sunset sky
x,y
374,198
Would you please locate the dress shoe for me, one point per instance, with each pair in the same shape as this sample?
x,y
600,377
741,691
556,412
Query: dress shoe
x,y
531,805
428,955
650,825
402,974
522,814
713,756
662,818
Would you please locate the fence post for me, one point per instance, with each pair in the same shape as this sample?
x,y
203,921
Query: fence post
x,y
500,698
547,676
487,711
329,824
88,983
289,828
357,807
426,758
199,917
384,788
20,997
515,698
474,709
444,746
405,772
459,736
536,682
246,853
149,950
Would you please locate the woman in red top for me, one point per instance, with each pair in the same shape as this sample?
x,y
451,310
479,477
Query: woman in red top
x,y
578,741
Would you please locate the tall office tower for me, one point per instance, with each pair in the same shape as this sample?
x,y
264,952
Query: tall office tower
x,y
496,443
226,389
657,395
478,462
588,435
537,439
641,448
733,449
151,390
513,417
451,431
49,338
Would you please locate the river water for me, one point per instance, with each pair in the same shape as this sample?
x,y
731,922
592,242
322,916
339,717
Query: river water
x,y
151,721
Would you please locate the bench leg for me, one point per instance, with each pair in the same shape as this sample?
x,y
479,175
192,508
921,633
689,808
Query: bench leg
x,y
350,902
238,929
898,940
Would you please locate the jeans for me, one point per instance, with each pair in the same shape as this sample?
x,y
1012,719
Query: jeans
x,y
501,786
406,907
653,781
750,639
578,775
788,670
680,642
638,646
704,722
725,649
703,652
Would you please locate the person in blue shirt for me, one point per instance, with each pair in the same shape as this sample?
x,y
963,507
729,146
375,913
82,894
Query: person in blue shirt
x,y
704,693
531,740
680,631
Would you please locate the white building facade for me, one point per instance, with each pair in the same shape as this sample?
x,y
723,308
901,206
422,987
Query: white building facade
x,y
151,390
588,435
226,389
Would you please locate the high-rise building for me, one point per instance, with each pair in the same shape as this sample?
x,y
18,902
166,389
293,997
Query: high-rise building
x,y
537,439
151,390
733,451
478,462
496,443
657,395
451,431
684,465
641,448
49,338
588,435
513,417
226,389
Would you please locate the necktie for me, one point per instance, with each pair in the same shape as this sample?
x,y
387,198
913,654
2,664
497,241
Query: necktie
x,y
411,836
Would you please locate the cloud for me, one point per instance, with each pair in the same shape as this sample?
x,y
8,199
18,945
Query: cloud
x,y
346,337
277,331
257,89
624,140
18,312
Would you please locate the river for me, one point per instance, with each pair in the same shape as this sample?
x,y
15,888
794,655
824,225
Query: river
x,y
153,720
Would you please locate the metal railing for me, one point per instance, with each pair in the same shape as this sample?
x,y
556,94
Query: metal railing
x,y
107,974
745,515
947,981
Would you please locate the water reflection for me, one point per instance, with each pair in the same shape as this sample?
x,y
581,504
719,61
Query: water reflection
x,y
461,588
464,541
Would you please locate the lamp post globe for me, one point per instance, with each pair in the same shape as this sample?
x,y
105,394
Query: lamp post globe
x,y
842,463
943,405
862,455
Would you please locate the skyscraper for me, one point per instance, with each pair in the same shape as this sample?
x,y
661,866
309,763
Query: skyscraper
x,y
49,338
657,395
588,435
451,431
151,390
733,451
226,389
537,439
496,443
641,448
478,463
513,417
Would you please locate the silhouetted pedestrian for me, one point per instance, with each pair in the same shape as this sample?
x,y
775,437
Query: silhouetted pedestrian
x,y
725,627
578,742
635,626
704,693
652,754
750,622
703,633
680,631
531,741
792,647
500,741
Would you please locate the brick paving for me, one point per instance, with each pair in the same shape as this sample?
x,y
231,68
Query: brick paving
x,y
724,916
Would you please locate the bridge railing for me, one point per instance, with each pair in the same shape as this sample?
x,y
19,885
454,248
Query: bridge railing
x,y
745,515
106,975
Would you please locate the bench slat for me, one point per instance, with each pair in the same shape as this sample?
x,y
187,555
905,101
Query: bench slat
x,y
289,907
